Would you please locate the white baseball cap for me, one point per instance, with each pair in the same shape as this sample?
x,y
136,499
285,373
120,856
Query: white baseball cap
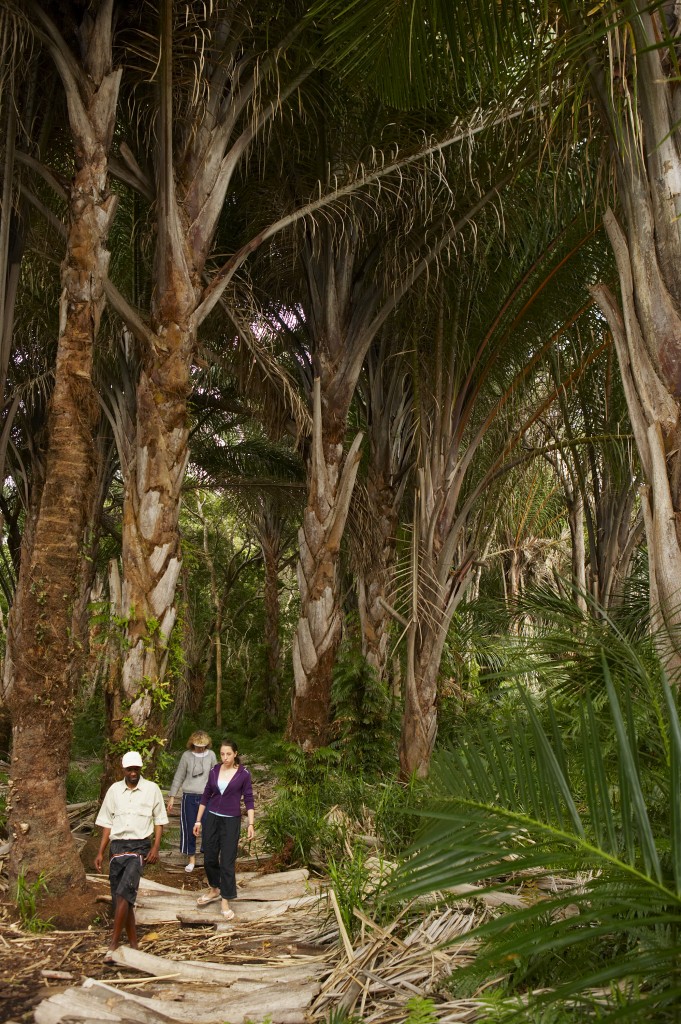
x,y
132,759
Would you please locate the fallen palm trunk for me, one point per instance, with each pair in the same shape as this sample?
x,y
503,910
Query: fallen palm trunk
x,y
260,897
199,1004
298,971
245,910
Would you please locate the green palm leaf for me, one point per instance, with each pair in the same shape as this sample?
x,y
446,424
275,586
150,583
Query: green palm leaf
x,y
505,804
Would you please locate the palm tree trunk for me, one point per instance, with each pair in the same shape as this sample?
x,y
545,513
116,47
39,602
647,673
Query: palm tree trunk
x,y
331,478
425,643
646,330
374,583
575,509
113,706
647,327
389,409
419,719
272,696
198,657
151,552
41,643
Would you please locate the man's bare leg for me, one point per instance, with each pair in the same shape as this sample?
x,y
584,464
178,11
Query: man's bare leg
x,y
120,922
131,926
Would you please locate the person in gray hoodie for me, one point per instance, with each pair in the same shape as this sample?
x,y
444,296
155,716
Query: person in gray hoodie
x,y
191,777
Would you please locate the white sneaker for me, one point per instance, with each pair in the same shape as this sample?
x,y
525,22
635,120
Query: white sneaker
x,y
189,867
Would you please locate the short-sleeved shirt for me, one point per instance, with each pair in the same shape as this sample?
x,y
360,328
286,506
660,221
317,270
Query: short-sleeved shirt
x,y
132,813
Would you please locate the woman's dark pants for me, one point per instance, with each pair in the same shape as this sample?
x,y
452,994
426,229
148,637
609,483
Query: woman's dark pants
x,y
220,845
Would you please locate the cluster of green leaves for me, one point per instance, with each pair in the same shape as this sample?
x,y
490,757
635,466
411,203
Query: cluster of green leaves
x,y
295,825
366,719
295,828
358,885
150,746
27,896
83,781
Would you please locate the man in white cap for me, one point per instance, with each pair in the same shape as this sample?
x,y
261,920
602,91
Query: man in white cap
x,y
132,815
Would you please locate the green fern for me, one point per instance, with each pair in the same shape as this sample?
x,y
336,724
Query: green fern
x,y
421,1011
365,722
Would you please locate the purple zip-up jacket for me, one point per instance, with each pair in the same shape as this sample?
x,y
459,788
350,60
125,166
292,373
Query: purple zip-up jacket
x,y
228,802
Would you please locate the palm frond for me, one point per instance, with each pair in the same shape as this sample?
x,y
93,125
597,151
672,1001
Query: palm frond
x,y
531,800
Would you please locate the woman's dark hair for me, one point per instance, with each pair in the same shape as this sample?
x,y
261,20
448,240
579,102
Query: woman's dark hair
x,y
232,744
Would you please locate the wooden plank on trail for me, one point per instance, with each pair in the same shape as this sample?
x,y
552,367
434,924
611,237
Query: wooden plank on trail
x,y
221,974
195,1004
296,879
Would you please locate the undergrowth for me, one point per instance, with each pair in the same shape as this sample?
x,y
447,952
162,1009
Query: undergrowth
x,y
27,894
83,782
323,801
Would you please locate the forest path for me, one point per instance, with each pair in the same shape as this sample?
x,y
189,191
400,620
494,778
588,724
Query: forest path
x,y
267,963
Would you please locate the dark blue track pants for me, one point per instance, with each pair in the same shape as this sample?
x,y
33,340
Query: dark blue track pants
x,y
188,811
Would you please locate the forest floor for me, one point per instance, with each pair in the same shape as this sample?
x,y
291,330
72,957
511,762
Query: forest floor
x,y
298,950
36,965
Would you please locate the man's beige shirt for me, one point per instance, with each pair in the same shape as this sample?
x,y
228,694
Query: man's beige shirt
x,y
132,813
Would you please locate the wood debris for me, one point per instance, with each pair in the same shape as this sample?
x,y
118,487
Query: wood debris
x,y
200,1004
257,980
285,970
388,969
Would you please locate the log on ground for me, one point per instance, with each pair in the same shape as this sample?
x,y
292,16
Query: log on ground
x,y
95,1001
295,972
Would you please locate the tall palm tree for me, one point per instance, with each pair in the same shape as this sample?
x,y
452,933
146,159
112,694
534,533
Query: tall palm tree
x,y
51,562
388,409
480,383
356,274
608,80
208,113
594,458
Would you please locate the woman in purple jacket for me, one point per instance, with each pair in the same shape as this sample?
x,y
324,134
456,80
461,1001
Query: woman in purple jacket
x,y
228,783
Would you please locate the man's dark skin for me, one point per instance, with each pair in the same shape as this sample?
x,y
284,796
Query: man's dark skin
x,y
124,912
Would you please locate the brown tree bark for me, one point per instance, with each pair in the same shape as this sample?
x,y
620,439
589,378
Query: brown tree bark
x,y
40,637
374,583
437,592
419,718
